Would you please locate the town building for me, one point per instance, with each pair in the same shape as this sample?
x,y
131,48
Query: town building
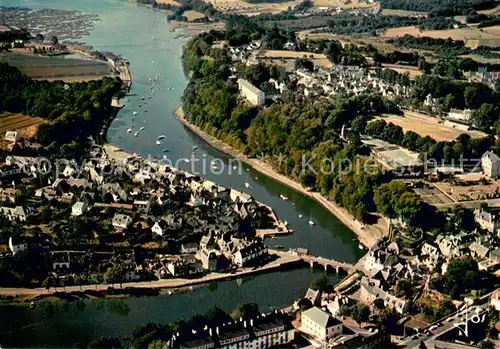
x,y
79,208
320,324
458,115
17,213
488,219
17,244
159,227
491,164
208,259
249,253
121,221
12,136
368,294
251,93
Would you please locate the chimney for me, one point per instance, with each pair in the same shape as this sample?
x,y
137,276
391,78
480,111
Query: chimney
x,y
245,323
217,330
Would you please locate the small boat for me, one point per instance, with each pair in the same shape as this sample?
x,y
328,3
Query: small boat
x,y
158,143
149,97
165,157
187,160
165,150
161,136
153,61
173,89
247,185
361,247
282,197
285,223
300,216
135,113
311,223
191,288
248,169
140,105
129,130
145,110
136,134
195,147
170,293
142,128
143,98
32,304
279,247
168,88
150,79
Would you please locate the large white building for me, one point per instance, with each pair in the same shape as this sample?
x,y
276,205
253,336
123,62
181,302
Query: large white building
x,y
460,115
251,93
320,324
491,164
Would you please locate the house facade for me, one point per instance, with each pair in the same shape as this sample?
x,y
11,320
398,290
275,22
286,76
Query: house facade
x,y
491,164
251,93
320,324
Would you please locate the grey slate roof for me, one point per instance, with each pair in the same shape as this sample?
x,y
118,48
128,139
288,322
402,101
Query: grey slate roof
x,y
320,317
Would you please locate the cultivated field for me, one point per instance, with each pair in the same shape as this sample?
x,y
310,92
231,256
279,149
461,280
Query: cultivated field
x,y
27,125
428,126
57,68
402,13
472,36
317,58
193,15
413,72
243,7
470,192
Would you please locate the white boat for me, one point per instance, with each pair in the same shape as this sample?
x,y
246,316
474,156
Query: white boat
x,y
165,157
282,197
300,216
285,223
158,142
129,130
149,97
150,79
135,113
136,134
187,160
142,128
165,150
311,223
247,185
153,61
143,98
168,88
145,110
195,147
248,169
161,136
361,247
173,89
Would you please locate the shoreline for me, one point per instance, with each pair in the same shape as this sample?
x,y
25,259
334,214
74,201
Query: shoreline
x,y
283,262
367,235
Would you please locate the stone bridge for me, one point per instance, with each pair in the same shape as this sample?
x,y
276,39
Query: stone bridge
x,y
288,257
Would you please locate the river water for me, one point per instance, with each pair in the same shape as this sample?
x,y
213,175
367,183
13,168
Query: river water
x,y
141,36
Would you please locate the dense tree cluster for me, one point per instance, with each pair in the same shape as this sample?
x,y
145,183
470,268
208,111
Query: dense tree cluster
x,y
462,275
442,7
370,24
447,47
73,111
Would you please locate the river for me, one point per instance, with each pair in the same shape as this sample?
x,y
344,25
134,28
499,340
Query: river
x,y
141,36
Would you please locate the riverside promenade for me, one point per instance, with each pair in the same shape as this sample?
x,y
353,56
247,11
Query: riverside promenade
x,y
282,259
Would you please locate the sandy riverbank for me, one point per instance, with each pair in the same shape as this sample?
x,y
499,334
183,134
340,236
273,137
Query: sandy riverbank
x,y
367,234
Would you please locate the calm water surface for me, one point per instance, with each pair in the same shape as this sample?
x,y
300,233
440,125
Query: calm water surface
x,y
141,36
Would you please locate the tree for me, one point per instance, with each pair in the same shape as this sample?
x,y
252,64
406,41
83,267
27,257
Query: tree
x,y
379,303
361,313
319,284
247,311
105,343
